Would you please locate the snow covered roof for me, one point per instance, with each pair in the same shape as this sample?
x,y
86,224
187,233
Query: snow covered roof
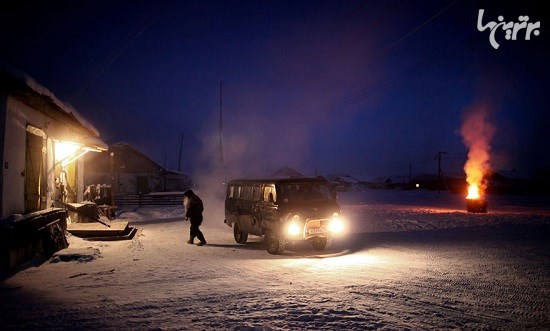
x,y
347,179
28,82
125,145
95,142
286,172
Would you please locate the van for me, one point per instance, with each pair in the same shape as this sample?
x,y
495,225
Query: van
x,y
283,210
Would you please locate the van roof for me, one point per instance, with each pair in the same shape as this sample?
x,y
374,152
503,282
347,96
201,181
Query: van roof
x,y
278,180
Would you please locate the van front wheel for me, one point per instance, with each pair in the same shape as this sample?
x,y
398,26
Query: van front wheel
x,y
240,236
321,243
274,244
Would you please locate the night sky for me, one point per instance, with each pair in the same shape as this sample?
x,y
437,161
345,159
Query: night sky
x,y
359,87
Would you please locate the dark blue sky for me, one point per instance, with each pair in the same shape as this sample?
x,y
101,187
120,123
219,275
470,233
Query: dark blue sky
x,y
361,87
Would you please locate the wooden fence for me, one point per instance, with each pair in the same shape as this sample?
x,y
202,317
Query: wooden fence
x,y
153,199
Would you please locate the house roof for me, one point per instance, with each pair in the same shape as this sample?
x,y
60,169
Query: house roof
x,y
127,146
286,172
25,89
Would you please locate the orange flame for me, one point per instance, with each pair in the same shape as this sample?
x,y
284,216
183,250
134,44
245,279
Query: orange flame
x,y
473,192
477,133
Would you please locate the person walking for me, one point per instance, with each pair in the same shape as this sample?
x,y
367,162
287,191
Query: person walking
x,y
193,212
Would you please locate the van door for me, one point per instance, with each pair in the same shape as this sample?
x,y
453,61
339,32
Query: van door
x,y
231,203
256,227
244,208
248,212
268,207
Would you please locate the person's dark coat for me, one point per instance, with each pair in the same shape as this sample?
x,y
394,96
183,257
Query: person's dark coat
x,y
194,207
193,211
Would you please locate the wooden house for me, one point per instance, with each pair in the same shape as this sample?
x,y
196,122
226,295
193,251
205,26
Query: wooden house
x,y
42,141
130,171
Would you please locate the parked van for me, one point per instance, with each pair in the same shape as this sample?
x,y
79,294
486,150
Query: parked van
x,y
283,210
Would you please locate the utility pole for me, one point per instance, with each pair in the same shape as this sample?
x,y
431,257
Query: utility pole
x,y
221,125
441,177
179,159
112,177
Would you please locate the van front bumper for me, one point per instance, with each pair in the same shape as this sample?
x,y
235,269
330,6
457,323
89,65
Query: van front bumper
x,y
324,227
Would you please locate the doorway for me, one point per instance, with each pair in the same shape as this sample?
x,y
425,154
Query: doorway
x,y
35,183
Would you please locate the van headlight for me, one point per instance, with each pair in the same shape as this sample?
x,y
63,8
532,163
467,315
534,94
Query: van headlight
x,y
336,224
294,227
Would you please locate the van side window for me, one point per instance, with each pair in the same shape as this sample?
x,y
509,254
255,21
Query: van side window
x,y
269,189
237,192
257,193
234,191
246,193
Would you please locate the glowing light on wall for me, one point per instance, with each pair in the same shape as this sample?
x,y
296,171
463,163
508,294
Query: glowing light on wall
x,y
64,150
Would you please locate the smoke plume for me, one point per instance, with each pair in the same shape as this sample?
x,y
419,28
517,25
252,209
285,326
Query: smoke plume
x,y
477,132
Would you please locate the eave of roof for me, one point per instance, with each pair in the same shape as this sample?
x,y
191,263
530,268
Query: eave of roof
x,y
26,90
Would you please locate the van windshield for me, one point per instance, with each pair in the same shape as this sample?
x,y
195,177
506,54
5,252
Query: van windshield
x,y
300,192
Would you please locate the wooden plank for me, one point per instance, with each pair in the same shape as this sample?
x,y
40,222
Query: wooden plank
x,y
127,235
97,229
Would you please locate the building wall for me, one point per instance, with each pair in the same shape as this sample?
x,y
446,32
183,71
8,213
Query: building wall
x,y
125,183
18,116
80,179
3,100
15,133
133,172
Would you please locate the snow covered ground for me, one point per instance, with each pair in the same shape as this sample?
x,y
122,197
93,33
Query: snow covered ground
x,y
410,260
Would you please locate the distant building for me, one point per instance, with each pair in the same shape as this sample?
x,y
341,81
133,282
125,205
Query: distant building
x,y
132,172
286,172
346,182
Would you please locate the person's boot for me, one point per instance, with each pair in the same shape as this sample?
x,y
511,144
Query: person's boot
x,y
201,238
190,241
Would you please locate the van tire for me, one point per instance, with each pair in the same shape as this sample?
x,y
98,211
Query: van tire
x,y
240,236
321,243
274,244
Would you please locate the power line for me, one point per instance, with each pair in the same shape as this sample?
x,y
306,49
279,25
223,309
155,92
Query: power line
x,y
369,90
421,25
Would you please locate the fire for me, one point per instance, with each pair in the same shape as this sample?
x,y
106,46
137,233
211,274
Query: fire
x,y
477,133
473,192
